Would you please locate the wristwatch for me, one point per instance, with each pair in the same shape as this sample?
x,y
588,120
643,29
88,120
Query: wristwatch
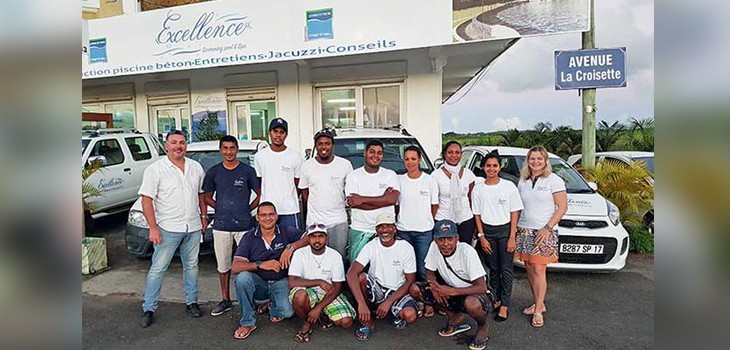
x,y
290,247
480,234
258,265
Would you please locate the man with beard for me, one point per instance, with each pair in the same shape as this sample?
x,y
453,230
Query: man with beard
x,y
322,183
232,183
278,167
261,261
385,286
371,190
455,282
174,207
316,276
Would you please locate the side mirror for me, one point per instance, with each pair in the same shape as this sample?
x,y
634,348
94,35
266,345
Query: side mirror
x,y
593,186
438,163
94,159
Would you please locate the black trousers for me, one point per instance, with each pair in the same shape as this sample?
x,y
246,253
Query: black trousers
x,y
466,230
500,262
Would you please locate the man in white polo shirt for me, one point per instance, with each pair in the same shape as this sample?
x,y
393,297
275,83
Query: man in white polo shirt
x,y
371,190
323,190
278,166
174,207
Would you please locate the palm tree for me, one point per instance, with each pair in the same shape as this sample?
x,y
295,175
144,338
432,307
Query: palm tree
x,y
541,134
88,191
645,128
608,134
510,137
625,185
566,140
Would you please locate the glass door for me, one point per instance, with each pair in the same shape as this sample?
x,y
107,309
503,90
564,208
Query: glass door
x,y
251,119
168,118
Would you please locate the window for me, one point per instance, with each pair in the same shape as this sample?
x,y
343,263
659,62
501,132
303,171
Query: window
x,y
475,166
122,114
370,106
138,148
110,150
353,150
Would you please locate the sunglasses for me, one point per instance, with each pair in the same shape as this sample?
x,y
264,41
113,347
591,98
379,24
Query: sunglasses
x,y
317,226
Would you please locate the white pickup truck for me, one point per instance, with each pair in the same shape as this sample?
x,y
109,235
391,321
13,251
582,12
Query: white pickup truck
x,y
123,155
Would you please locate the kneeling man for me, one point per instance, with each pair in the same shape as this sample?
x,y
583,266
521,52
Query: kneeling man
x,y
316,275
385,286
455,282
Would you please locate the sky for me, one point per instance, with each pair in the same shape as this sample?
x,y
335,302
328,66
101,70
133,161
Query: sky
x,y
518,89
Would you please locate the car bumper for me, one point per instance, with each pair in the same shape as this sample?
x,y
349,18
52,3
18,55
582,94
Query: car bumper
x,y
139,245
615,240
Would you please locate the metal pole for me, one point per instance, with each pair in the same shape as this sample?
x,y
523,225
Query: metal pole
x,y
589,104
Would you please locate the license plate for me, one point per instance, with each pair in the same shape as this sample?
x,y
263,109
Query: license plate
x,y
581,248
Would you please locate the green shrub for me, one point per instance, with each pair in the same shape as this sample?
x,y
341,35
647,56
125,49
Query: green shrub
x,y
640,240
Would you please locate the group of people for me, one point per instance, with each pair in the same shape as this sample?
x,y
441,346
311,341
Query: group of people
x,y
409,246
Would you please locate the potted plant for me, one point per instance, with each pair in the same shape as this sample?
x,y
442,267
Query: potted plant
x,y
93,249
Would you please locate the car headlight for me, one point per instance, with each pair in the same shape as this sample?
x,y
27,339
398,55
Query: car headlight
x,y
613,213
136,218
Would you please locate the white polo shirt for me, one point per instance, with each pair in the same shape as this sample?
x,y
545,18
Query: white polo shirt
x,y
326,185
366,184
538,200
174,194
277,171
415,200
495,203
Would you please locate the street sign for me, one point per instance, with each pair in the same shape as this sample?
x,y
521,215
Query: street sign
x,y
594,68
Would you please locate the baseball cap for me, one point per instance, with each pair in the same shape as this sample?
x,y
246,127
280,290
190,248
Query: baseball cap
x,y
445,228
279,123
325,133
384,218
314,228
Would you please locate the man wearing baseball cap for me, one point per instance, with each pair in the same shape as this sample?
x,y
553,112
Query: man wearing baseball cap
x,y
384,288
316,276
278,167
322,183
455,283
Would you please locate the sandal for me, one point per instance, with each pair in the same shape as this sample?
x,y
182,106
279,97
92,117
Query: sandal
x,y
325,322
364,333
247,330
428,311
530,310
263,308
537,320
302,337
275,319
499,318
478,344
454,329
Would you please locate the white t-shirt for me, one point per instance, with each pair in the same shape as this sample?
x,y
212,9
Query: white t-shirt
x,y
465,262
388,265
326,184
277,171
366,184
444,184
174,194
495,202
538,200
327,267
415,200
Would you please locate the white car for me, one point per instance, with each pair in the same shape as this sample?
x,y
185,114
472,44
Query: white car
x,y
207,154
123,154
591,237
626,157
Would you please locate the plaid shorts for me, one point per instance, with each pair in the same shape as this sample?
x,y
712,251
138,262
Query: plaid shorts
x,y
377,293
338,309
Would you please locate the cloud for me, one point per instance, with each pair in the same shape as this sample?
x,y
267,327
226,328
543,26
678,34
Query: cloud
x,y
501,124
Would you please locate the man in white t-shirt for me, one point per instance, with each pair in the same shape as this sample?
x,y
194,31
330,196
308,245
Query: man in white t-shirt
x,y
384,288
316,274
322,183
456,283
371,190
278,167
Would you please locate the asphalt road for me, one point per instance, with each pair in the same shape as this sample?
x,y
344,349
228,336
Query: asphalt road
x,y
597,311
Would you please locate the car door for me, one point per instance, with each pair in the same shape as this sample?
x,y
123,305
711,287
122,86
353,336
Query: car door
x,y
113,175
141,154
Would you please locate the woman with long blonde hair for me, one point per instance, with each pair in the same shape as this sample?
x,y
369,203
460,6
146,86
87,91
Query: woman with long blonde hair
x,y
545,202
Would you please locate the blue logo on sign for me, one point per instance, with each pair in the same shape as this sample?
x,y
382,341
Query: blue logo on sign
x,y
97,50
319,24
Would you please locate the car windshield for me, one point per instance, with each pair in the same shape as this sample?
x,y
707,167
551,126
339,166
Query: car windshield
x,y
84,143
574,183
648,161
210,158
353,149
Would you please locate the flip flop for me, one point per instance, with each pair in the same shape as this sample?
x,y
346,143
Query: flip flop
x,y
499,318
530,310
275,319
428,311
302,337
263,308
240,335
537,320
363,333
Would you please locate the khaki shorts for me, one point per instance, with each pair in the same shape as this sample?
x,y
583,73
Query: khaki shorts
x,y
223,247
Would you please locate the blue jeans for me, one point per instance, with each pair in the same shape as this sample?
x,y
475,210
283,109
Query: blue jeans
x,y
189,244
289,220
420,241
250,287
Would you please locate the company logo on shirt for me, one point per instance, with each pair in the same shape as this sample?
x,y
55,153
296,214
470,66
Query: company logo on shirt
x,y
542,188
326,272
382,185
396,263
424,193
501,201
239,182
287,168
278,245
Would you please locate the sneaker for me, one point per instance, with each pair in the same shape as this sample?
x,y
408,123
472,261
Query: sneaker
x,y
194,310
222,307
399,323
146,319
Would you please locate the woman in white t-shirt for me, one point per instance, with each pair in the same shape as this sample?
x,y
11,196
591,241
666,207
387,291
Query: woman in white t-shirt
x,y
455,184
546,201
496,204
